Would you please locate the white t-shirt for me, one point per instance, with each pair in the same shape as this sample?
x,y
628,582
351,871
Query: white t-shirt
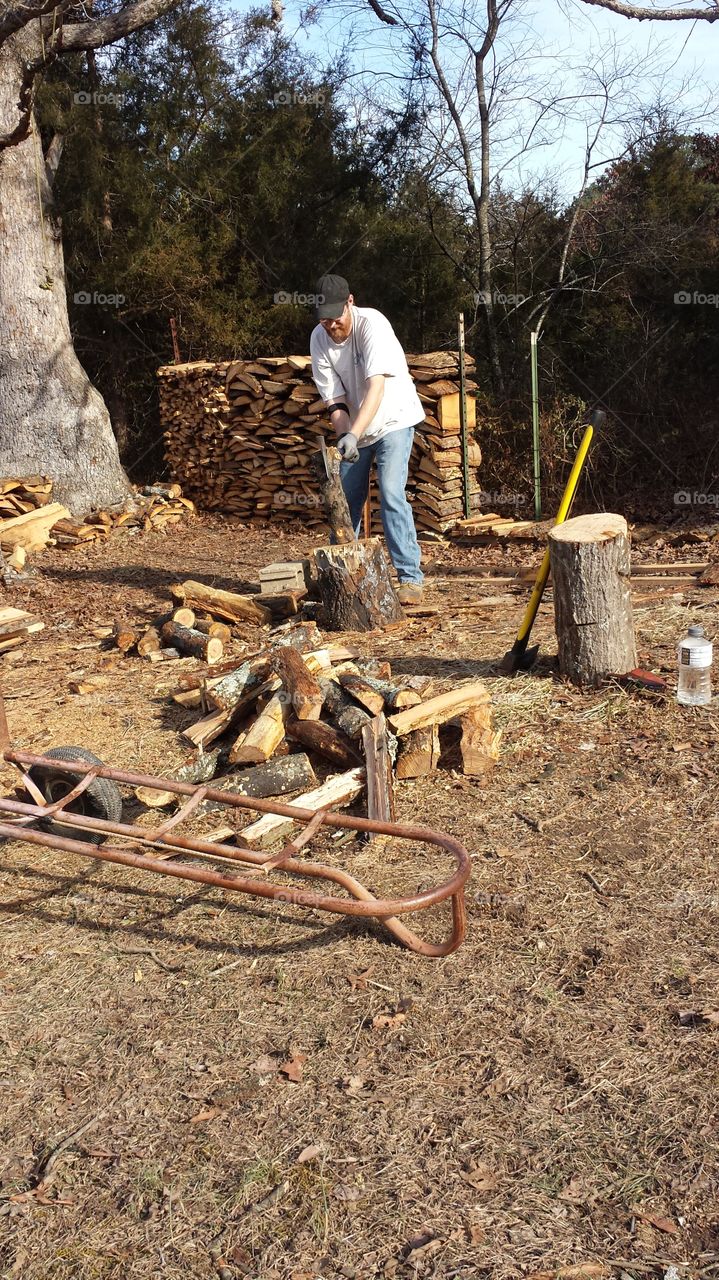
x,y
341,370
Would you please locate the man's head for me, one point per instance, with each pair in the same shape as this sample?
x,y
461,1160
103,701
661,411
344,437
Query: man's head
x,y
333,312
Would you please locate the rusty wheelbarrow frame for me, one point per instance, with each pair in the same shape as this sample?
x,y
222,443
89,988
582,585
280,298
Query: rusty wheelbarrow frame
x,y
256,865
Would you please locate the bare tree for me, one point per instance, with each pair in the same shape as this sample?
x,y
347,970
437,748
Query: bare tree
x,y
51,419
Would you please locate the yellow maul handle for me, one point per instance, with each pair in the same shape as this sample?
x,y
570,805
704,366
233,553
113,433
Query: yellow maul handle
x,y
564,508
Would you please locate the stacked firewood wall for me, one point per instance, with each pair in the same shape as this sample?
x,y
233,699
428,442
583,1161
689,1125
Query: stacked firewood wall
x,y
238,437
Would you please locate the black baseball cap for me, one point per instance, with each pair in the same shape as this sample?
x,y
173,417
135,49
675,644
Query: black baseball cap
x,y
334,292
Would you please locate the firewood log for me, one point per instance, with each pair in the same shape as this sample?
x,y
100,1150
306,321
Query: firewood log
x,y
324,740
192,642
302,690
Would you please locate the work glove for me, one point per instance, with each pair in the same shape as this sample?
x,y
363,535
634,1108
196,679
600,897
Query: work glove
x,y
347,447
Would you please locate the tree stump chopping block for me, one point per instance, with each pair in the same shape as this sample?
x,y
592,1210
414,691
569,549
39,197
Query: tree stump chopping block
x,y
589,557
355,587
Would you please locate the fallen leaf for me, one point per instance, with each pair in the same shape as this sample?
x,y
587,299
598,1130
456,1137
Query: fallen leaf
x,y
208,1114
358,981
346,1193
681,746
475,1233
354,1085
265,1065
481,1178
421,1246
383,1020
137,975
657,1220
293,1067
309,1153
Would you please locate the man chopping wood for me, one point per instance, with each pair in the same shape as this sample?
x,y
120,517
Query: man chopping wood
x,y
361,373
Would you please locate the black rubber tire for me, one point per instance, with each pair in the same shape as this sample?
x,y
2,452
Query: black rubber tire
x,y
101,800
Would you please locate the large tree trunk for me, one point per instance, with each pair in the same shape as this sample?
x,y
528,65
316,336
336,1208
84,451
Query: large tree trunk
x,y
52,420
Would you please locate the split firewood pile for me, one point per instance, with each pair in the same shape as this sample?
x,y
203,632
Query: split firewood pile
x,y
29,519
16,626
299,708
239,436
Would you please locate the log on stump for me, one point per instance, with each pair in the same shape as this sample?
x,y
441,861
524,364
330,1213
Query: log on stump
x,y
418,753
589,557
333,495
355,587
187,640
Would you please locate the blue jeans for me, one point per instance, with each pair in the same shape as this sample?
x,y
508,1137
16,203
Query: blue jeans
x,y
391,454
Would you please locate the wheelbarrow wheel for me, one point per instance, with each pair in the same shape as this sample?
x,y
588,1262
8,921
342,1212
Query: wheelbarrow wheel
x,y
102,799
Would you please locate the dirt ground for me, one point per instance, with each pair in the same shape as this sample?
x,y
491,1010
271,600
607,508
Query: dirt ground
x,y
544,1099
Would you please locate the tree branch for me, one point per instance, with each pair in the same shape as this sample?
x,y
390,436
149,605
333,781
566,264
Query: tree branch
x,y
710,14
101,31
382,14
16,16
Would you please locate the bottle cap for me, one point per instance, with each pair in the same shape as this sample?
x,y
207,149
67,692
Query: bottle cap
x,y
695,630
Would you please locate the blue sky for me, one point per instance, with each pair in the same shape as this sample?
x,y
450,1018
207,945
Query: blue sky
x,y
553,47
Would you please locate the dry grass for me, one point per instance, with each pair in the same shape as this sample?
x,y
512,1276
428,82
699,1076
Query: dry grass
x,y
541,1104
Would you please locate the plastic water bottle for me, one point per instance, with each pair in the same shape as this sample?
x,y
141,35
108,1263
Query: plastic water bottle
x,y
694,688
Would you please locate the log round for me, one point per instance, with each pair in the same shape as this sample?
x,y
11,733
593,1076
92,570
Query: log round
x,y
590,565
355,586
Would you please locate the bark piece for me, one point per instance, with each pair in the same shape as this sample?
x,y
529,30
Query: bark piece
x,y
192,642
479,744
440,709
589,556
325,741
224,604
380,795
355,587
335,793
301,689
418,753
